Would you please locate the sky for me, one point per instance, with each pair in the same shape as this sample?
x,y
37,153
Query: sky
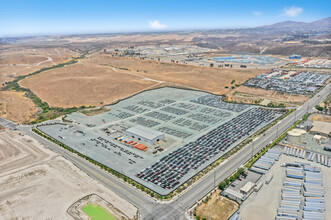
x,y
57,17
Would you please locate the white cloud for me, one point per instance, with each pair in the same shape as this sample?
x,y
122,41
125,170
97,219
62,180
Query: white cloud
x,y
257,13
157,25
292,11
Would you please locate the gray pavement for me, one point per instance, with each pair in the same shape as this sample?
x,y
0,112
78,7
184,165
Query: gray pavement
x,y
175,209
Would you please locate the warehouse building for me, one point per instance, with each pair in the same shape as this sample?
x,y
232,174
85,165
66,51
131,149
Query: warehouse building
x,y
247,188
234,195
321,128
144,134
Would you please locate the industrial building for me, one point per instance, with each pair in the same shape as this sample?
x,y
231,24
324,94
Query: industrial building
x,y
296,136
144,134
234,195
295,56
247,188
321,128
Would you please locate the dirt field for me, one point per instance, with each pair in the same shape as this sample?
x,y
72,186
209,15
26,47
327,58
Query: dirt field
x,y
320,117
244,94
36,183
208,79
217,208
14,106
84,84
16,61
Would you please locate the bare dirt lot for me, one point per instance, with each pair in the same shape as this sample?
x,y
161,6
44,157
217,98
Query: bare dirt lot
x,y
208,79
36,183
84,84
15,61
320,117
217,208
244,94
14,106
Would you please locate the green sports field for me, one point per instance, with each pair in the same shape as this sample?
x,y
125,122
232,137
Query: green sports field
x,y
98,212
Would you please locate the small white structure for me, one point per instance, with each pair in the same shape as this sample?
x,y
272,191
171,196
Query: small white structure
x,y
247,188
269,178
296,136
319,139
144,134
258,186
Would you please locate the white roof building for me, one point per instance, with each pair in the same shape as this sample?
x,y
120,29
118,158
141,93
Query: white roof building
x,y
247,188
144,134
321,128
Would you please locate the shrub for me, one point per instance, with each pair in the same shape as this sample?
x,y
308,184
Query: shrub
x,y
319,108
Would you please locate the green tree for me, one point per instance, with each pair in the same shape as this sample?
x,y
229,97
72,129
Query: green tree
x,y
319,108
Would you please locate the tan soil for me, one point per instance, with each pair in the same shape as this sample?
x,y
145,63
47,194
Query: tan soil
x,y
319,117
36,183
217,208
204,78
245,94
14,106
84,84
16,61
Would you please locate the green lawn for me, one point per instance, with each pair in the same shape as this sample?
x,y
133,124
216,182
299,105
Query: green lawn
x,y
98,212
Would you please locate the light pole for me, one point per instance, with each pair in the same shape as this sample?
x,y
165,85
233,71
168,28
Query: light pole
x,y
252,148
214,178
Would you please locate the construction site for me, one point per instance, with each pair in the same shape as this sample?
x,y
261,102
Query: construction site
x,y
198,56
28,173
162,137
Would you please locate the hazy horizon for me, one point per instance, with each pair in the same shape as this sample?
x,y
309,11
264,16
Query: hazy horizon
x,y
39,18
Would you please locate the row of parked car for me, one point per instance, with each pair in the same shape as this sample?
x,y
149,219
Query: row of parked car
x,y
167,172
109,145
215,101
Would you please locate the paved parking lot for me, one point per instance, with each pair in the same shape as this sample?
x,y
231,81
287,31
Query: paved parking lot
x,y
304,83
196,134
264,204
251,177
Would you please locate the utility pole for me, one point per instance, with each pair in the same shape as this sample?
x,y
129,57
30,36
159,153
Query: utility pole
x,y
252,147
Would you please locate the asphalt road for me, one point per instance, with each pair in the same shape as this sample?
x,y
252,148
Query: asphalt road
x,y
151,209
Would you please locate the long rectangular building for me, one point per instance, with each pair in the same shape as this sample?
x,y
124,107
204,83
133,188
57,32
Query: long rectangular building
x,y
145,134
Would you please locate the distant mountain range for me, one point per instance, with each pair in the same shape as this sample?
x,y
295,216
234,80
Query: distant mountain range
x,y
319,24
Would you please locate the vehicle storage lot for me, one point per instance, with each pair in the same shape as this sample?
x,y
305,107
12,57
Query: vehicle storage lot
x,y
297,82
264,204
198,131
36,183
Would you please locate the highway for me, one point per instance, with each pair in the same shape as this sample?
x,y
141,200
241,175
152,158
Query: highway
x,y
175,209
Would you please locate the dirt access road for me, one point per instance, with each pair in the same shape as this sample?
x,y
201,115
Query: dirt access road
x,y
36,183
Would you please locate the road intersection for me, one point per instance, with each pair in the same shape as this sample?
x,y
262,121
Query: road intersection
x,y
150,208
